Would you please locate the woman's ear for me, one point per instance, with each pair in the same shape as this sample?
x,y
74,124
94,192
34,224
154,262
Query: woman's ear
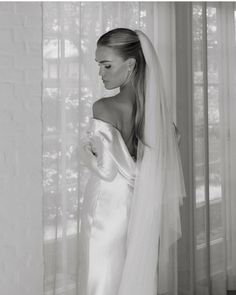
x,y
131,63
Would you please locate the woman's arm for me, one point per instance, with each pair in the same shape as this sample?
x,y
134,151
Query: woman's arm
x,y
98,159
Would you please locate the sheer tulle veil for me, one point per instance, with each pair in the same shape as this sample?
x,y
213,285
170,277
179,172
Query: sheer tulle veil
x,y
154,228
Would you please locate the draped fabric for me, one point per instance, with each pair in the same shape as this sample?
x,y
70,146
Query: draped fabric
x,y
208,216
154,227
106,209
71,84
106,147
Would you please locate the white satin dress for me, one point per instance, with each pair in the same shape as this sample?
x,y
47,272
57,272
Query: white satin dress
x,y
106,207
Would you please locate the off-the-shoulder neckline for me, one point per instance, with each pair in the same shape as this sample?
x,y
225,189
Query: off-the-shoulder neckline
x,y
108,123
119,133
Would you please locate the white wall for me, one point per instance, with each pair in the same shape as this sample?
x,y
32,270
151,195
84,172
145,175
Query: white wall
x,y
21,260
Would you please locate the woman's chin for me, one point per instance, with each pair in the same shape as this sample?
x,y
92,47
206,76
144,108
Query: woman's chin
x,y
108,87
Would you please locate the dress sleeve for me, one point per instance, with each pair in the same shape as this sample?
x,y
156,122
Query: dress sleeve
x,y
96,156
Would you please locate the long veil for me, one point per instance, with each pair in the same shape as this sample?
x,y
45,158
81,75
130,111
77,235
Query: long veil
x,y
154,227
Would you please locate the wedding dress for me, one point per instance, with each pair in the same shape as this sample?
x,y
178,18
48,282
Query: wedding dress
x,y
106,207
131,221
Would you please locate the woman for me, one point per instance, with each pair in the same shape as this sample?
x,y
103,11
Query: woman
x,y
126,232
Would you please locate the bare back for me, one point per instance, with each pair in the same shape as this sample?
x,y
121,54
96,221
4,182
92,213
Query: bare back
x,y
117,112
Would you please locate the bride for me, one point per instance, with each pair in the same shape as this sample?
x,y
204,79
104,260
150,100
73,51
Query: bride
x,y
130,217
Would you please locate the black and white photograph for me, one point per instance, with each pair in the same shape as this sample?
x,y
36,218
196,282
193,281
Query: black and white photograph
x,y
117,148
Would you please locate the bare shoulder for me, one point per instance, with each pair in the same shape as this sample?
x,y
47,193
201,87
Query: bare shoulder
x,y
104,109
99,108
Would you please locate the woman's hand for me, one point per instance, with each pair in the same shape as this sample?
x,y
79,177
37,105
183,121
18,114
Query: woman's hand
x,y
86,153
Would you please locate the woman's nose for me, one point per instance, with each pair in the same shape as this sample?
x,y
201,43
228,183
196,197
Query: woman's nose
x,y
101,72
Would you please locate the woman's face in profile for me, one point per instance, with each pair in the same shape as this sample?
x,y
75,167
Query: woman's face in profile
x,y
113,69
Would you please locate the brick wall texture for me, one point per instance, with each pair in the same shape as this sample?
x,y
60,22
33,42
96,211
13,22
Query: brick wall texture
x,y
21,260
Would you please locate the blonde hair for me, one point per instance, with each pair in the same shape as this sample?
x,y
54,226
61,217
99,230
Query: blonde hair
x,y
127,45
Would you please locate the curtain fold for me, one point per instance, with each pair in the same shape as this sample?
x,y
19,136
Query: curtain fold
x,y
71,84
210,135
227,90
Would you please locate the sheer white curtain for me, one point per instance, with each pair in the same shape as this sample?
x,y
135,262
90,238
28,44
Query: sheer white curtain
x,y
71,84
227,92
211,232
214,73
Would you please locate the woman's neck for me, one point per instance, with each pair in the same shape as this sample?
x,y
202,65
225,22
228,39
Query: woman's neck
x,y
127,91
